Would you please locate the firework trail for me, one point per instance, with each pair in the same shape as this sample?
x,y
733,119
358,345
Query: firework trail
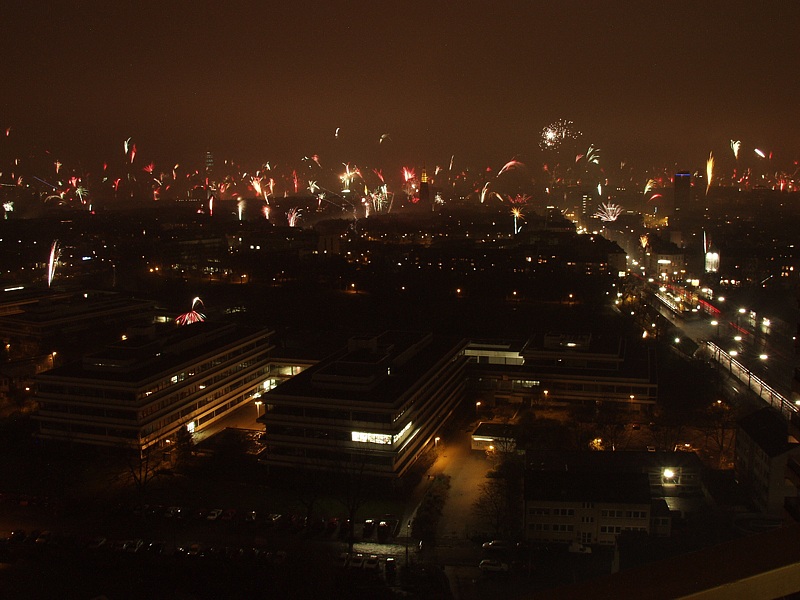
x,y
55,255
256,183
735,147
709,170
760,153
517,214
512,164
240,205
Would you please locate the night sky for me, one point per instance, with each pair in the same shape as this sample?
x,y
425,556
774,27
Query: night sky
x,y
644,81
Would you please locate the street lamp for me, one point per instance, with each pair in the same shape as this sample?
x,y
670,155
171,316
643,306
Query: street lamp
x,y
408,536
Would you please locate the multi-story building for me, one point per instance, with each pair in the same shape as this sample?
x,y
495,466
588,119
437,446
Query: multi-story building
x,y
588,508
140,391
560,368
376,405
53,321
766,460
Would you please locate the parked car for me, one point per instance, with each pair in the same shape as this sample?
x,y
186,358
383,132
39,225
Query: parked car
x,y
390,567
372,563
497,545
214,514
579,548
490,565
356,561
369,527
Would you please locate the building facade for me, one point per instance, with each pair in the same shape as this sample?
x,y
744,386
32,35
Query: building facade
x,y
563,369
766,460
376,405
139,392
587,508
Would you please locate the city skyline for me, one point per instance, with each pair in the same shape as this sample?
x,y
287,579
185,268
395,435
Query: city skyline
x,y
410,83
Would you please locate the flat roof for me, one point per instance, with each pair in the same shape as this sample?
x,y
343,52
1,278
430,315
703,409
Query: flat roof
x,y
574,486
149,357
418,358
625,460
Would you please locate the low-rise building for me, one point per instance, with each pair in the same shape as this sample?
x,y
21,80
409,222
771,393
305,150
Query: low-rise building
x,y
587,508
766,459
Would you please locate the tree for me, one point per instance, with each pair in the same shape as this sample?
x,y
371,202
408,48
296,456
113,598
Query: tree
x,y
612,425
719,425
142,467
495,506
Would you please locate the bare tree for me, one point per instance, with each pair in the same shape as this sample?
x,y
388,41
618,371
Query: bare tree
x,y
719,425
493,507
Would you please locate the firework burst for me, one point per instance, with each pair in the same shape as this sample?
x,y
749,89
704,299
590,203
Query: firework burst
x,y
293,216
556,133
193,316
608,213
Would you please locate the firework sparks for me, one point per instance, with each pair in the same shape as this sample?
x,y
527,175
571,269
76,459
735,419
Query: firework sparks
x,y
484,192
735,147
556,133
313,187
55,255
256,183
608,213
516,212
650,185
348,176
193,316
709,170
519,199
760,153
643,241
293,216
512,164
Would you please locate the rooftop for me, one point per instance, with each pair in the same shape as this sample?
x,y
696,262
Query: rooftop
x,y
571,486
377,369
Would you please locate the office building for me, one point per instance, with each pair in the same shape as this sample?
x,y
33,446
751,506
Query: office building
x,y
137,393
375,405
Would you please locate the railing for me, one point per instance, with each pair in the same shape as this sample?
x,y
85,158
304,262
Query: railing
x,y
754,383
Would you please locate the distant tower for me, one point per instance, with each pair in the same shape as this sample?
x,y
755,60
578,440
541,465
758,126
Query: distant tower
x,y
682,190
424,190
209,162
209,169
